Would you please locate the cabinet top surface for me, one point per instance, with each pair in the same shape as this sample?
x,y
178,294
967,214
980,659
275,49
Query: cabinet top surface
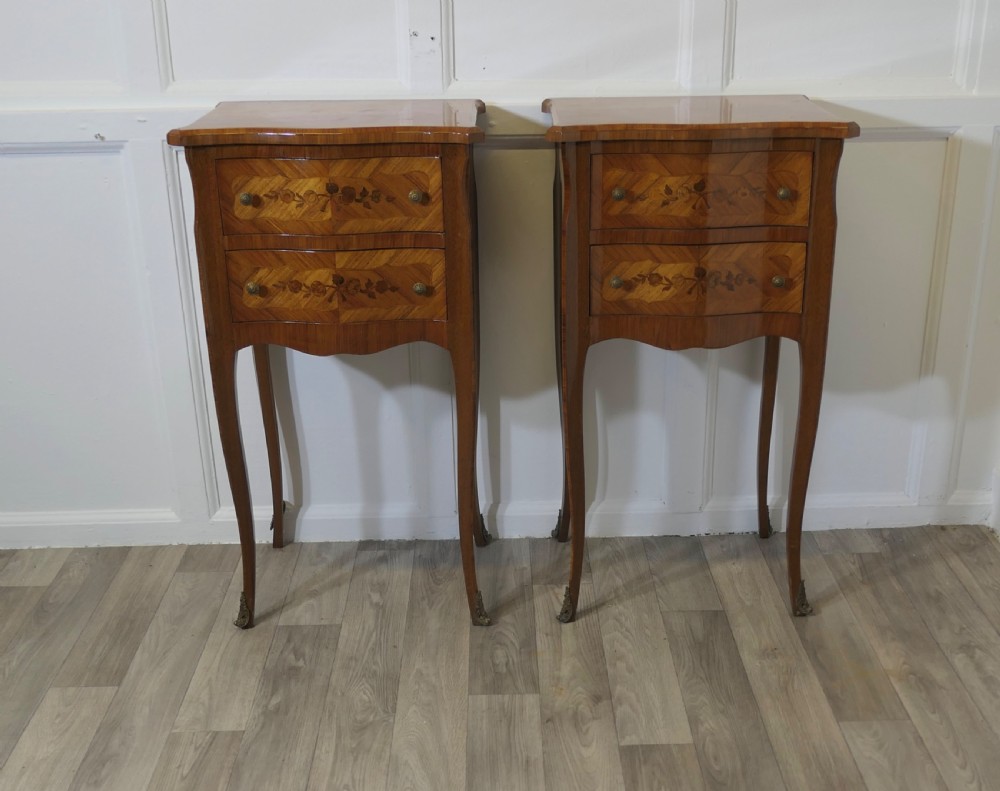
x,y
334,123
691,118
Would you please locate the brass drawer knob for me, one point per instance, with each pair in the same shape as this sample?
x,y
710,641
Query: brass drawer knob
x,y
416,196
420,289
778,281
784,193
618,194
253,288
616,282
246,198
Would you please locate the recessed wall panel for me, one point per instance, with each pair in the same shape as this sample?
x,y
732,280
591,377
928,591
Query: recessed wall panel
x,y
566,40
784,40
80,416
304,40
59,41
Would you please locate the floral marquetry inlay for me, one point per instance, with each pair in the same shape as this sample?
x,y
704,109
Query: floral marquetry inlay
x,y
700,280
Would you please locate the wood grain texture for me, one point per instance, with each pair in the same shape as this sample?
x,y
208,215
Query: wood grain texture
x,y
31,662
196,761
649,708
32,567
549,560
16,604
323,196
342,287
355,733
973,555
960,741
5,556
326,122
102,655
127,746
287,710
53,745
503,659
697,280
802,729
221,692
504,748
710,190
317,594
579,741
964,633
730,740
210,557
892,756
681,574
831,542
661,767
429,733
854,681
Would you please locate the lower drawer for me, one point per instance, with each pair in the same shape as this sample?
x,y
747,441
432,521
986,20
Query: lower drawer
x,y
337,287
697,280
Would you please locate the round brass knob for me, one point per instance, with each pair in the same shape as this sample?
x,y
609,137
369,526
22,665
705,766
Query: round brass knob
x,y
778,281
246,198
253,287
420,288
617,194
784,193
416,196
616,282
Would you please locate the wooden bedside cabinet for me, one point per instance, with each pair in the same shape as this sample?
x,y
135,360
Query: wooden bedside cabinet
x,y
337,227
695,222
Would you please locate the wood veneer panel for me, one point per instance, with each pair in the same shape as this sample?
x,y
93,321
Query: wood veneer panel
x,y
31,662
128,743
355,732
505,743
729,736
807,742
960,741
287,709
579,740
645,692
103,653
503,659
429,733
848,669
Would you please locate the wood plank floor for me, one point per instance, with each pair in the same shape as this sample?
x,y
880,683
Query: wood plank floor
x,y
120,668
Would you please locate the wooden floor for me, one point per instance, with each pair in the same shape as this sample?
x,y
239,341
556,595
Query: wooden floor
x,y
120,667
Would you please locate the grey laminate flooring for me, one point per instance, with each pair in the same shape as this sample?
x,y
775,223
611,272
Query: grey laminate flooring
x,y
120,667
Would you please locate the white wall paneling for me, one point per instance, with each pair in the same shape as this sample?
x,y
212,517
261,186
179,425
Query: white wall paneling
x,y
106,418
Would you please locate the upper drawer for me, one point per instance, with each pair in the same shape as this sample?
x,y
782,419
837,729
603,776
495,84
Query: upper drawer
x,y
330,196
701,190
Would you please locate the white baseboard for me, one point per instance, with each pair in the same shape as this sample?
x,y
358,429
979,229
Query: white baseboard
x,y
534,519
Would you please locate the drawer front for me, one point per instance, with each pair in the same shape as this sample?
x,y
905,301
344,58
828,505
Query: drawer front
x,y
337,287
324,196
697,280
701,190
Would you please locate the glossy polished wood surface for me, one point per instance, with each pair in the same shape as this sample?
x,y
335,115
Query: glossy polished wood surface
x,y
337,228
335,122
692,118
695,222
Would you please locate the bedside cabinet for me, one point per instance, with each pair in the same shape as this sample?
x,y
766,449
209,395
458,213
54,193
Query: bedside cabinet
x,y
695,222
336,227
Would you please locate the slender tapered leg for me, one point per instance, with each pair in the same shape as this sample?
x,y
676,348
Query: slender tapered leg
x,y
561,531
573,496
769,385
465,361
222,360
812,356
262,366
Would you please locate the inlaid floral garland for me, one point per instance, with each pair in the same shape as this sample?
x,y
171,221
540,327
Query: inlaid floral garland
x,y
340,286
698,196
319,200
702,280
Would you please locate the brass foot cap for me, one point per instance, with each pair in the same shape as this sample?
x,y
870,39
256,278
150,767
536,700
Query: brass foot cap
x,y
245,618
802,605
568,611
480,617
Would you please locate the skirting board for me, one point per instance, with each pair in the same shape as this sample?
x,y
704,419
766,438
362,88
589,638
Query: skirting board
x,y
523,520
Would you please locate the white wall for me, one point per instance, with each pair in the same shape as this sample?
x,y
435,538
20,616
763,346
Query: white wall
x,y
106,429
